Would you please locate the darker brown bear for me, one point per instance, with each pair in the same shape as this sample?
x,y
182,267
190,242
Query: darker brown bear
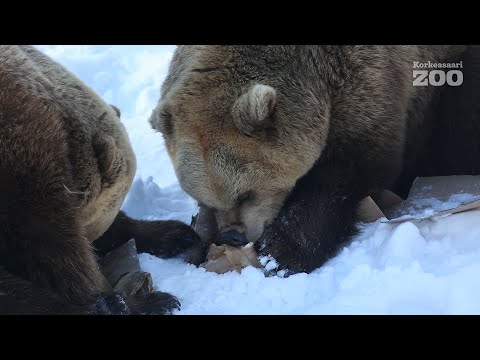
x,y
66,165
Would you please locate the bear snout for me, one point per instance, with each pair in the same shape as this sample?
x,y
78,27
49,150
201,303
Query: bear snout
x,y
232,237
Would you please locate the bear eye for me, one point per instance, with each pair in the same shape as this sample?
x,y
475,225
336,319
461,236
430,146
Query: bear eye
x,y
245,197
247,134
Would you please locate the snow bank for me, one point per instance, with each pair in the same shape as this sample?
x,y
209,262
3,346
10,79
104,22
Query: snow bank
x,y
427,267
147,201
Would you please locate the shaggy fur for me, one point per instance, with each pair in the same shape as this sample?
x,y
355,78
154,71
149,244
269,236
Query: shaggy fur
x,y
283,142
66,165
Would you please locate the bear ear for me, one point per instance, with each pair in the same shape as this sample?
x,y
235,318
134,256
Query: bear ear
x,y
161,119
117,110
253,110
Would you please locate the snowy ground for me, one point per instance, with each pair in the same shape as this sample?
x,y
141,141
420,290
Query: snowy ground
x,y
422,267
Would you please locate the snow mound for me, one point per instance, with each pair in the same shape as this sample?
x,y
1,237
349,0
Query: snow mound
x,y
147,201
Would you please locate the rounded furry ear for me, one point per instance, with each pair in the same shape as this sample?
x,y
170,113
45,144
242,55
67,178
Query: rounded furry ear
x,y
117,110
161,119
252,111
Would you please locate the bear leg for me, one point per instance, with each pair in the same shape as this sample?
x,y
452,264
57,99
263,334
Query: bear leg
x,y
21,297
161,238
316,219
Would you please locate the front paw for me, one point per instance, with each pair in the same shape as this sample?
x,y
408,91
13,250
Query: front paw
x,y
164,238
110,304
156,303
284,251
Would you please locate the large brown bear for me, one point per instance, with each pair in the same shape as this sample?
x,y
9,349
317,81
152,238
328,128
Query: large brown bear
x,y
283,142
66,165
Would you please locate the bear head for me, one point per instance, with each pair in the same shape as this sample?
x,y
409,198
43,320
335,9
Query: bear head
x,y
240,129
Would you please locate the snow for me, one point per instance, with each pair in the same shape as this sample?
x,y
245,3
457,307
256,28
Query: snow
x,y
148,201
424,207
423,267
428,266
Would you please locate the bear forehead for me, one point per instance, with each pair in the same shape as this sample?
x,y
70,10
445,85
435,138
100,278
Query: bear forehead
x,y
206,67
223,163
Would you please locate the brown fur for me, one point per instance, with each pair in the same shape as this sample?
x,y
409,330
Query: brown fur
x,y
66,165
284,141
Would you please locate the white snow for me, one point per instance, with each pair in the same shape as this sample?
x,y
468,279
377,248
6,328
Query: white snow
x,y
428,266
423,205
423,267
147,201
427,206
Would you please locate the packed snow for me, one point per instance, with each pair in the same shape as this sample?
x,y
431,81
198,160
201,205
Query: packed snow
x,y
428,266
435,205
421,208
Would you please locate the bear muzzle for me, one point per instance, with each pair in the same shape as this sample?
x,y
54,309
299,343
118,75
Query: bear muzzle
x,y
232,237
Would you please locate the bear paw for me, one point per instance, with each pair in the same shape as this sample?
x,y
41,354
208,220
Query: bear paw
x,y
164,238
283,253
110,304
156,303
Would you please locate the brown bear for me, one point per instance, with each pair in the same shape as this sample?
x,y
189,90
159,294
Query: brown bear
x,y
283,142
66,164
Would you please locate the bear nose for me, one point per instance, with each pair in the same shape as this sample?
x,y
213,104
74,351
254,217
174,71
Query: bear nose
x,y
233,238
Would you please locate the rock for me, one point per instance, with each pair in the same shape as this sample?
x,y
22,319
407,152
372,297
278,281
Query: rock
x,y
205,225
121,267
119,262
133,283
